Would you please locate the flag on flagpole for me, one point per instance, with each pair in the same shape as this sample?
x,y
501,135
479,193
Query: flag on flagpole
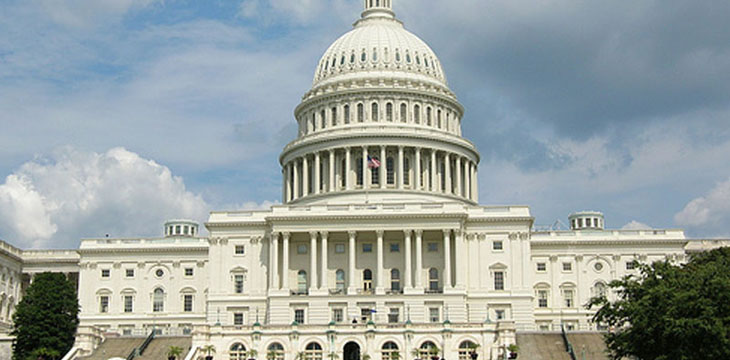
x,y
373,163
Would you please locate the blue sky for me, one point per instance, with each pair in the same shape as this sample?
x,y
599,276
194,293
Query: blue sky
x,y
117,115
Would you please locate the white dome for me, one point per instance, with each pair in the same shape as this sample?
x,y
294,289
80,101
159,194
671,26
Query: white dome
x,y
379,47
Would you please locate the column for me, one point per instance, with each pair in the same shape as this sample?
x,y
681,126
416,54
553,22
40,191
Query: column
x,y
305,176
380,287
447,173
458,168
408,267
312,261
419,259
447,259
331,183
323,273
401,173
383,171
288,178
285,265
417,172
317,173
462,264
434,180
475,184
274,264
351,288
365,169
467,179
348,166
296,180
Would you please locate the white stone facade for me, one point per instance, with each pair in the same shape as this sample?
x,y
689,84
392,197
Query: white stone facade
x,y
385,259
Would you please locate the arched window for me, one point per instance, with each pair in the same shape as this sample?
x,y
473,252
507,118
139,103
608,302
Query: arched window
x,y
465,349
237,352
389,351
406,171
427,350
302,282
359,168
438,118
158,300
417,114
433,280
403,112
395,280
275,351
397,55
600,289
323,119
374,114
389,112
367,280
347,114
428,116
340,281
443,175
375,54
314,122
334,116
360,113
375,173
313,351
390,166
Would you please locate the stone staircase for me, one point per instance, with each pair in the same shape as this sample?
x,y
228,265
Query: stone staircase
x,y
115,348
541,346
158,348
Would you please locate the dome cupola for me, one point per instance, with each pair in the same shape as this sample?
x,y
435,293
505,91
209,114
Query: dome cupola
x,y
380,123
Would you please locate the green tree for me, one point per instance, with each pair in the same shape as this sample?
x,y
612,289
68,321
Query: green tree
x,y
671,312
46,319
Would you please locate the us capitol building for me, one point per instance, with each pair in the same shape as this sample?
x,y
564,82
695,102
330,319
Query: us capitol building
x,y
380,246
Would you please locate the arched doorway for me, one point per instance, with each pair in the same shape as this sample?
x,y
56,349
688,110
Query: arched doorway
x,y
351,351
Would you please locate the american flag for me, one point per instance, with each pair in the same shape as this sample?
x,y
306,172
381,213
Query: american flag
x,y
373,163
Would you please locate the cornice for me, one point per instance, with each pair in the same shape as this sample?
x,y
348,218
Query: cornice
x,y
144,250
577,242
335,95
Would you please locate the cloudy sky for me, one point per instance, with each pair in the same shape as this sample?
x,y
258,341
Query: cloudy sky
x,y
118,114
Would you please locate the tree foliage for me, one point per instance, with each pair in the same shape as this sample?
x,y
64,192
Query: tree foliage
x,y
671,312
46,319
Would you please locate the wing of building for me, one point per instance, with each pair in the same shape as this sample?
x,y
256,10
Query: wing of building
x,y
380,246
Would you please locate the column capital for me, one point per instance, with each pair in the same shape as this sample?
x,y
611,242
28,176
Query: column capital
x,y
324,234
364,147
286,235
352,233
418,232
313,234
401,147
447,232
379,233
458,232
407,232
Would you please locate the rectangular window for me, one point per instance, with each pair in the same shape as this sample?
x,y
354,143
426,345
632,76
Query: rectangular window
x,y
542,298
500,314
433,247
189,271
393,316
104,304
188,303
338,315
299,316
367,248
433,315
240,250
497,245
567,266
394,247
238,284
568,296
339,248
128,303
541,267
498,280
631,265
366,314
129,273
237,318
105,273
302,249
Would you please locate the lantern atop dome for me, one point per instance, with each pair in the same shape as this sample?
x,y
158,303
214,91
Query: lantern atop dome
x,y
378,8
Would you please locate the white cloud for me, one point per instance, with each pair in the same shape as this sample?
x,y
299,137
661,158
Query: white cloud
x,y
708,213
83,13
635,225
55,201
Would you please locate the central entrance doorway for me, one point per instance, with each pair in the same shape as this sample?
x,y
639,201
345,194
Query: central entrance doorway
x,y
351,351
